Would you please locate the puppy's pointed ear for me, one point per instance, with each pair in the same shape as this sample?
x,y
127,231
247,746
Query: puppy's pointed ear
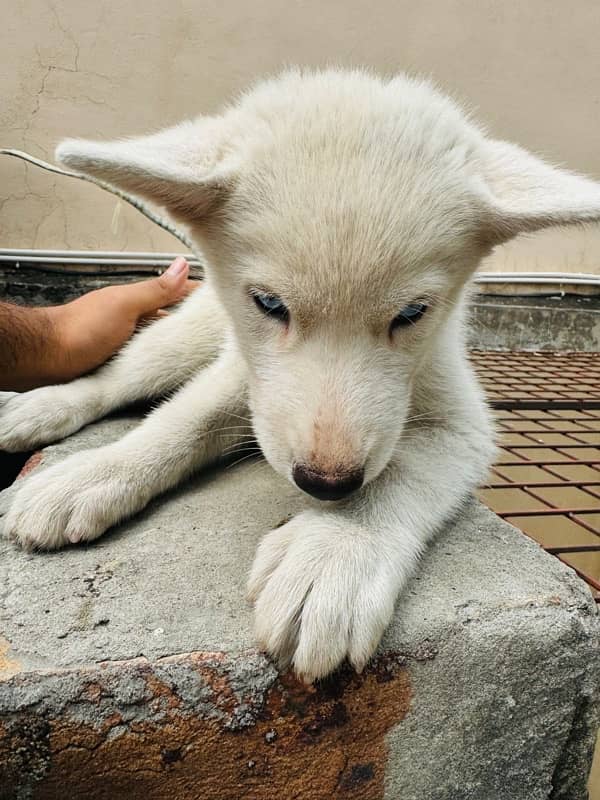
x,y
526,194
185,168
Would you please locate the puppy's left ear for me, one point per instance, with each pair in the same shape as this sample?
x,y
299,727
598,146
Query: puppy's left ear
x,y
525,194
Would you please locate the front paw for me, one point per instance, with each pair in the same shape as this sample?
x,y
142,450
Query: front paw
x,y
323,592
73,501
31,419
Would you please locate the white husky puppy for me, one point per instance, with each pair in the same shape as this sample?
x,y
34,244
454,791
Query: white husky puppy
x,y
341,217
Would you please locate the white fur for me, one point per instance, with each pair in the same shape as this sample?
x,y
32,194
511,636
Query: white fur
x,y
349,197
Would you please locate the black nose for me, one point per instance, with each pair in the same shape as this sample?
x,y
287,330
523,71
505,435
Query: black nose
x,y
327,486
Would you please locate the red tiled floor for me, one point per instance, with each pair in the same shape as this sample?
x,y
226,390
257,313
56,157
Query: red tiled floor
x,y
547,477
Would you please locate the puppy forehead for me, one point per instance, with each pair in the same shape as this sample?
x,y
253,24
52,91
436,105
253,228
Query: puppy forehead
x,y
352,186
359,240
331,204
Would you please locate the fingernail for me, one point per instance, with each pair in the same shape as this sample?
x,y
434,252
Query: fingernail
x,y
177,267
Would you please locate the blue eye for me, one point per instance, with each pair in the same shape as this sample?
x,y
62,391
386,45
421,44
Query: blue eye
x,y
271,305
410,314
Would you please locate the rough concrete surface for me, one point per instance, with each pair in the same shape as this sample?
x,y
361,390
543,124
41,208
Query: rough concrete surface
x,y
127,667
535,323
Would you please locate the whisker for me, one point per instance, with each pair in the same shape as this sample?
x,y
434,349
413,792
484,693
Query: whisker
x,y
231,414
423,418
240,430
234,427
240,435
244,458
230,451
261,461
229,440
237,439
427,414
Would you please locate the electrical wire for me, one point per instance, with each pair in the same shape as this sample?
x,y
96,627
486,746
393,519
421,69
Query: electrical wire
x,y
137,204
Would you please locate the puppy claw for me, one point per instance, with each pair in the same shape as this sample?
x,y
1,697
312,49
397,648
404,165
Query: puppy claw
x,y
315,601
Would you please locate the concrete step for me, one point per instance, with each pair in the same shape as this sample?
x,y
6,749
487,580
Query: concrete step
x,y
128,667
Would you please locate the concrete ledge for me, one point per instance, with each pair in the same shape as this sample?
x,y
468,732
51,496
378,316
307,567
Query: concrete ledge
x,y
128,668
505,321
570,322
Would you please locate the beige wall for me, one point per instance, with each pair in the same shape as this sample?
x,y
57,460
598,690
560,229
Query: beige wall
x,y
104,68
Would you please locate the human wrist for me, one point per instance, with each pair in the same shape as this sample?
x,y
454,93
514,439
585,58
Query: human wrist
x,y
63,350
30,349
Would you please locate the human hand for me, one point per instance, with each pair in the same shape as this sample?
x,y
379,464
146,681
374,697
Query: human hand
x,y
92,328
40,346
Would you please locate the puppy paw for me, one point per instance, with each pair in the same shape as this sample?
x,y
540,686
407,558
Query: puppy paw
x,y
31,419
322,593
74,501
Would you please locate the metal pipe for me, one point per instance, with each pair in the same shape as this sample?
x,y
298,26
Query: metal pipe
x,y
90,254
96,259
135,259
555,278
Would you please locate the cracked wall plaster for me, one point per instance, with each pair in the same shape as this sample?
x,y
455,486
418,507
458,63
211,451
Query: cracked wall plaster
x,y
106,70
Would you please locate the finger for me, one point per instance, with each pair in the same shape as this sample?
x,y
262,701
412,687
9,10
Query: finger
x,y
147,297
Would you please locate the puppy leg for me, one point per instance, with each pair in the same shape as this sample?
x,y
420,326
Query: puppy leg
x,y
158,359
325,584
78,499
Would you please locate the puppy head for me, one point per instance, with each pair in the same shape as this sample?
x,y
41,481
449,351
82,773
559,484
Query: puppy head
x,y
341,216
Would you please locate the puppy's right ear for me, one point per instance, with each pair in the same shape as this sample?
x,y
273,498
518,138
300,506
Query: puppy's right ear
x,y
187,168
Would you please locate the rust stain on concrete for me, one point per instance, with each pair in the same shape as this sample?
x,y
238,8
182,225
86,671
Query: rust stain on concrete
x,y
309,743
8,666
